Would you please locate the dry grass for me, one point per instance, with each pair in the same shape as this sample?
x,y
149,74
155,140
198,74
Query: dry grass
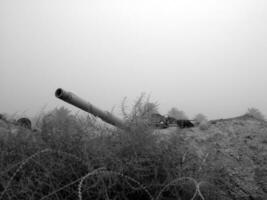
x,y
70,160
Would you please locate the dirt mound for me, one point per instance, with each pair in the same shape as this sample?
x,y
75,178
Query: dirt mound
x,y
239,145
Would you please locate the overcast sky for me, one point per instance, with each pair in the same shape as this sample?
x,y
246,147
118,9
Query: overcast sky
x,y
201,56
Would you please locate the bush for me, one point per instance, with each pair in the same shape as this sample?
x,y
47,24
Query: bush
x,y
60,130
140,112
202,121
200,118
204,125
256,113
119,164
177,114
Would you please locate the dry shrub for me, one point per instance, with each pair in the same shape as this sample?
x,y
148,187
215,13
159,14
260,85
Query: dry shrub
x,y
62,131
256,113
204,125
177,114
140,112
200,118
65,171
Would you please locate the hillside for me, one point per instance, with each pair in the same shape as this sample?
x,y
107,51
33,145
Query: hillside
x,y
239,145
226,160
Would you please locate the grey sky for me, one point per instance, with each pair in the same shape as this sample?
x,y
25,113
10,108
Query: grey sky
x,y
205,56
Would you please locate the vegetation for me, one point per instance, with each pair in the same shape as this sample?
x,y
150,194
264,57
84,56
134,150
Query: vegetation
x,y
177,114
72,157
202,121
200,118
256,113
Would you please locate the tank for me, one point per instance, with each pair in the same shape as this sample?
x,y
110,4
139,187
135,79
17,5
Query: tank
x,y
106,116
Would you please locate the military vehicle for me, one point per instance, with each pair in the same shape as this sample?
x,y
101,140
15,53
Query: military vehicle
x,y
157,120
22,122
165,122
106,116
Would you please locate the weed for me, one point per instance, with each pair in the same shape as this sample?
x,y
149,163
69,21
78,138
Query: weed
x,y
76,157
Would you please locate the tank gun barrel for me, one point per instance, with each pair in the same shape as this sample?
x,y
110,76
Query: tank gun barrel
x,y
73,99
